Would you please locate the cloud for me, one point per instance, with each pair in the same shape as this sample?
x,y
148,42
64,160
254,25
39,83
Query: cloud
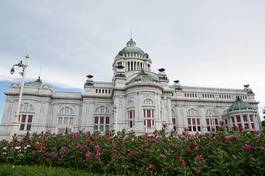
x,y
201,43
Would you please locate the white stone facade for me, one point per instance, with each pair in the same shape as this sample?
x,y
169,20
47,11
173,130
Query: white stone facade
x,y
136,99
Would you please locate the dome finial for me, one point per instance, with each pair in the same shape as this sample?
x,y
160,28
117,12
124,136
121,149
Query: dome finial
x,y
131,43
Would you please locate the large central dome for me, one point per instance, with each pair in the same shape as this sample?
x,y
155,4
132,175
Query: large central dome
x,y
131,48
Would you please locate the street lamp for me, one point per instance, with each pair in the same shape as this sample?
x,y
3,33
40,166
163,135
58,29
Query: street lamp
x,y
22,65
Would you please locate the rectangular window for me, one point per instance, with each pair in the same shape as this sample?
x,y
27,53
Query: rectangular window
x,y
101,120
246,126
149,118
245,118
238,119
195,125
22,126
131,117
23,118
252,125
251,118
28,127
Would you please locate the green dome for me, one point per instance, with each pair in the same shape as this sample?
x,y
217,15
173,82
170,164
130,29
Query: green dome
x,y
240,105
131,48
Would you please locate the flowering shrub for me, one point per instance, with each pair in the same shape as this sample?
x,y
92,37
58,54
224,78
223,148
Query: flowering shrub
x,y
220,153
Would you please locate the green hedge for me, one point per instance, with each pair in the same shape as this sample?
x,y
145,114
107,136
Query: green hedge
x,y
11,170
220,153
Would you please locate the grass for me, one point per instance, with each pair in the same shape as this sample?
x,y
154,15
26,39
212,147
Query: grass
x,y
11,170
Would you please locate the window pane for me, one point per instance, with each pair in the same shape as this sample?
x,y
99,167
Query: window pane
x,y
22,126
216,121
149,123
207,121
193,121
101,120
96,120
194,128
29,118
131,124
28,127
252,125
107,120
148,113
189,128
95,128
245,118
174,121
198,121
23,118
189,121
107,127
251,118
199,128
101,127
238,119
246,126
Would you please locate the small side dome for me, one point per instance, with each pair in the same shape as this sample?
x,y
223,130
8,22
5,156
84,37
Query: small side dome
x,y
239,104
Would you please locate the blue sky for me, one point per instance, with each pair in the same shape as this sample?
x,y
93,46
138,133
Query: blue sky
x,y
201,43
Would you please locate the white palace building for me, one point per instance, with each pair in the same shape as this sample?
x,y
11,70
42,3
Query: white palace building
x,y
137,99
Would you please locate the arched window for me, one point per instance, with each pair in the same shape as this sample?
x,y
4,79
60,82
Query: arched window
x,y
26,116
193,117
102,119
148,102
66,118
212,122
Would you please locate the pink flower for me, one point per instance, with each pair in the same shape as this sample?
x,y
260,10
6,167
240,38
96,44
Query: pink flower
x,y
197,149
231,138
162,155
74,135
88,154
187,149
78,145
98,153
248,147
181,137
198,158
183,163
150,166
175,145
133,153
33,152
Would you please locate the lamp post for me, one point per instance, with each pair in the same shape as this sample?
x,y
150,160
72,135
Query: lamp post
x,y
21,65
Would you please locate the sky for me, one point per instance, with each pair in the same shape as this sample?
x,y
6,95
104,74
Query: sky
x,y
208,43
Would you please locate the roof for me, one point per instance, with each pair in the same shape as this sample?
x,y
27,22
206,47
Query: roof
x,y
144,77
239,104
36,83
